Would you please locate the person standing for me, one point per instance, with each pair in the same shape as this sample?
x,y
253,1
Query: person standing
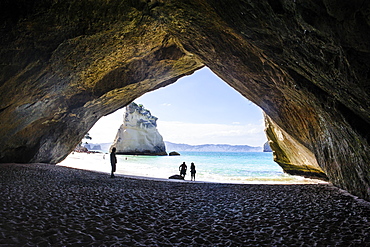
x,y
182,169
192,171
113,161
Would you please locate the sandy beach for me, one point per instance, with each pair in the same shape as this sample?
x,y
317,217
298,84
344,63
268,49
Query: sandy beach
x,y
47,205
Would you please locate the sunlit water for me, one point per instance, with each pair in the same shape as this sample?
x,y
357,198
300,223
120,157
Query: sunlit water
x,y
223,167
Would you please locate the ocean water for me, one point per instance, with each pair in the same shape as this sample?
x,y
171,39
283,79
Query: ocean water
x,y
222,167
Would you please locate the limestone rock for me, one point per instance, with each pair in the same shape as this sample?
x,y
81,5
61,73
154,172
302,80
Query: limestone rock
x,y
138,134
266,147
293,157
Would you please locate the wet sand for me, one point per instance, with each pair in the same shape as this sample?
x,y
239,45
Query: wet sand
x,y
46,205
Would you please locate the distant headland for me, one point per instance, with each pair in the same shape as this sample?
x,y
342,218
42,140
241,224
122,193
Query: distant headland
x,y
170,146
211,148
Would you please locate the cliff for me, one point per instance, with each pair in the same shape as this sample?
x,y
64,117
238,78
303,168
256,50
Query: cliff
x,y
138,134
65,64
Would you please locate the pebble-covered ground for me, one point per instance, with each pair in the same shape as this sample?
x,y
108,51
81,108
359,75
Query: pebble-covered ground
x,y
46,205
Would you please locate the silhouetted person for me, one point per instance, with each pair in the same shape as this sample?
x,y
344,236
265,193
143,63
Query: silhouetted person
x,y
192,171
113,161
182,169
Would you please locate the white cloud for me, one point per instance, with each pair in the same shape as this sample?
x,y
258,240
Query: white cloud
x,y
166,104
195,134
106,128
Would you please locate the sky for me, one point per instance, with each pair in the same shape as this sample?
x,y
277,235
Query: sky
x,y
197,109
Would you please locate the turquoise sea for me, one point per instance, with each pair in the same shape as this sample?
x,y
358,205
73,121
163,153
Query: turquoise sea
x,y
223,167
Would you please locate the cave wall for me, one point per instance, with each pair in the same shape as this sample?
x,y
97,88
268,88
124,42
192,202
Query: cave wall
x,y
292,156
62,71
300,62
64,64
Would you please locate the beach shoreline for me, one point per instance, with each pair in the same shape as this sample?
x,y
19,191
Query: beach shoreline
x,y
51,205
133,166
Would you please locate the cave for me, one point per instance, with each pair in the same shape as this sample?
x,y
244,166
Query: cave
x,y
65,64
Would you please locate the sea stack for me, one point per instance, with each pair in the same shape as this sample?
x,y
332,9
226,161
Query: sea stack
x,y
138,134
266,147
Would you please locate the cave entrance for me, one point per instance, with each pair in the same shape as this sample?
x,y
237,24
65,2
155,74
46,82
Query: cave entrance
x,y
197,110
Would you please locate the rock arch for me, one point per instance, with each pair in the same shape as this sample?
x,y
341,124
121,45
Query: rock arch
x,y
64,64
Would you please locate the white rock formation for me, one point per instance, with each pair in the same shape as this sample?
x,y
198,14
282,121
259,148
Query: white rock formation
x,y
138,134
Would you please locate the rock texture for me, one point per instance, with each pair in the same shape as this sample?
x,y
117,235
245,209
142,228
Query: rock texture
x,y
291,155
138,134
64,64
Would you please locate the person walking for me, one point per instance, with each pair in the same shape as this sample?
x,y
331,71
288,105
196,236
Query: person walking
x,y
113,161
192,171
182,168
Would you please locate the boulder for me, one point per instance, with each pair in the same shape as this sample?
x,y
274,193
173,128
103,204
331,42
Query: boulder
x,y
173,153
81,149
176,177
